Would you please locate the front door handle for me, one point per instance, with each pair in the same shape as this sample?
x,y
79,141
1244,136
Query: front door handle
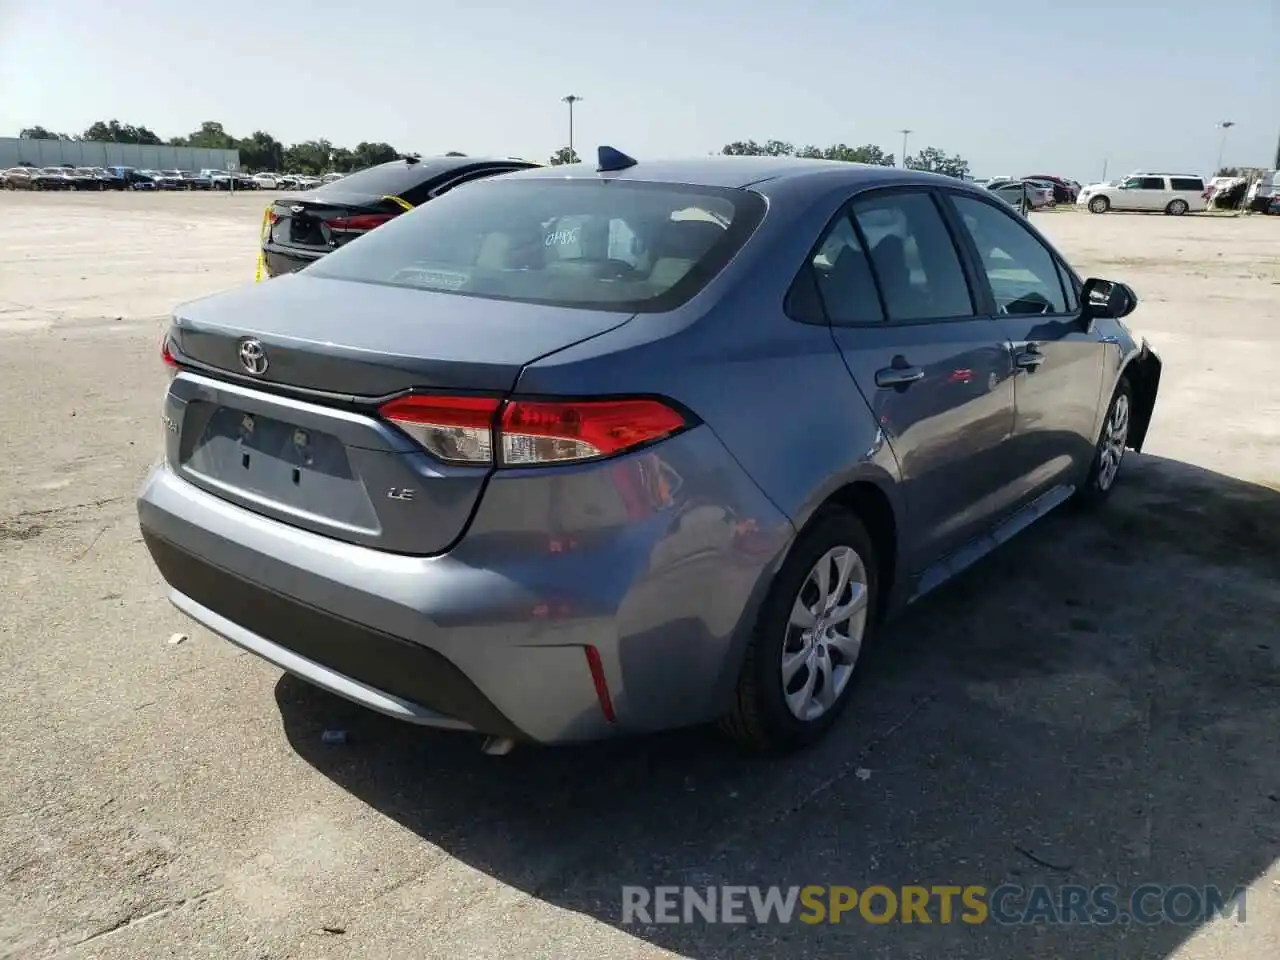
x,y
898,376
1029,359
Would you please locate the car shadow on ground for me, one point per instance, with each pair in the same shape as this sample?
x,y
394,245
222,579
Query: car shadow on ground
x,y
1094,704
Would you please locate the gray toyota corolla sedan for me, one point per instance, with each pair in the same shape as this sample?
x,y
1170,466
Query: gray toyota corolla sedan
x,y
611,448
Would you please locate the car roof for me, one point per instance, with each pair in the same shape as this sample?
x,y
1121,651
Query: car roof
x,y
732,171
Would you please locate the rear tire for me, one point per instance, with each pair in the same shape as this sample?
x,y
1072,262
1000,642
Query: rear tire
x,y
1108,454
771,712
1176,208
1099,205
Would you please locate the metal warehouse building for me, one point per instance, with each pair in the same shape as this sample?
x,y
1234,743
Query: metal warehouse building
x,y
52,153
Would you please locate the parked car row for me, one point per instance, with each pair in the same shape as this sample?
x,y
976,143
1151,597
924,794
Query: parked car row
x,y
1033,192
66,177
1172,193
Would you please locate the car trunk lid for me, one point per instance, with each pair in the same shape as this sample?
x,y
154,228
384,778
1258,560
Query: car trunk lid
x,y
322,224
325,461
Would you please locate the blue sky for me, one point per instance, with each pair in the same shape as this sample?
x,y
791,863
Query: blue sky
x,y
1011,86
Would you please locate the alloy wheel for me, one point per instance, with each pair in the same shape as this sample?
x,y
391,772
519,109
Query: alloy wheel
x,y
824,633
1115,436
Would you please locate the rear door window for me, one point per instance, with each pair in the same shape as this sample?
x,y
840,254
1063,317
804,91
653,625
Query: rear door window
x,y
624,246
1152,183
914,259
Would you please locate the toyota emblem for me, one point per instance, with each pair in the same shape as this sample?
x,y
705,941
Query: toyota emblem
x,y
253,357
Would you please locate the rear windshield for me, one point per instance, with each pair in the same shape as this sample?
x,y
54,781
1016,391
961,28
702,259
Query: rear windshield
x,y
623,246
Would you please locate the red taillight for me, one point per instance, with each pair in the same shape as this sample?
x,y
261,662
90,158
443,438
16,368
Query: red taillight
x,y
272,218
455,429
536,432
531,433
359,222
166,354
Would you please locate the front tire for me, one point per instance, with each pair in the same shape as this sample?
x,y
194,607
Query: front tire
x,y
1108,455
1099,205
801,663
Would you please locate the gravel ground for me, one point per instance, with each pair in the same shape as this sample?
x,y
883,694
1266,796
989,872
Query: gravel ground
x,y
1096,703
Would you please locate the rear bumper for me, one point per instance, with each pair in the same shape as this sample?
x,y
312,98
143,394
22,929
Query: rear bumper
x,y
492,637
401,679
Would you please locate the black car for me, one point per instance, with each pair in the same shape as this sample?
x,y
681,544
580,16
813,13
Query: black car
x,y
80,180
304,228
53,178
196,181
133,178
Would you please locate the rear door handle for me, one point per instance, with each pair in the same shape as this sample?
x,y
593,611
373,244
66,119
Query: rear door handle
x,y
1029,359
898,376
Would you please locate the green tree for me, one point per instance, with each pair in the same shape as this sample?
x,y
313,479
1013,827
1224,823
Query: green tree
x,y
113,131
261,151
564,155
40,133
749,148
310,157
933,160
210,136
867,153
454,153
371,154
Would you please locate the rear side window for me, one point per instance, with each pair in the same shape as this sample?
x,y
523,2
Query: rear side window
x,y
842,276
913,257
622,246
386,179
1188,183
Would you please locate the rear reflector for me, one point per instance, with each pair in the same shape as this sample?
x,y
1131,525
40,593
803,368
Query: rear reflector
x,y
601,684
530,433
359,223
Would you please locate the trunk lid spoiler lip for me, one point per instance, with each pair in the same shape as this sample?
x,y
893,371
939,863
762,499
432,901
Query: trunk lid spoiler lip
x,y
512,336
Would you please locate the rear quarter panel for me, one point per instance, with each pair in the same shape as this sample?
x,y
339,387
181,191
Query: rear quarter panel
x,y
775,391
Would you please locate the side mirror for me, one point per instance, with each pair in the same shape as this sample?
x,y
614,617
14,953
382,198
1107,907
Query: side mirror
x,y
1107,299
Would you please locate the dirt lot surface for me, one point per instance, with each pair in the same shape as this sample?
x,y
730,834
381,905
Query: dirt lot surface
x,y
1096,703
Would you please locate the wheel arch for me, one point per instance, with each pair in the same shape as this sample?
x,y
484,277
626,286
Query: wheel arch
x,y
873,496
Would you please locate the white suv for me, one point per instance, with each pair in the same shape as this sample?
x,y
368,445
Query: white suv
x,y
1173,193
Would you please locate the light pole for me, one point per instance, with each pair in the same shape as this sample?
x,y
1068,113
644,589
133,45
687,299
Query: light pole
x,y
905,133
571,99
1222,144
